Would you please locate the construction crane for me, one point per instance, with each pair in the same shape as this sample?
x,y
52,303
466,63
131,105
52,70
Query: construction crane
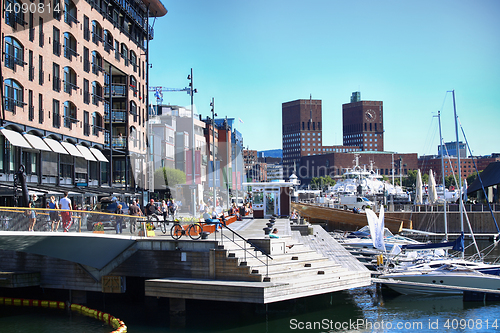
x,y
159,92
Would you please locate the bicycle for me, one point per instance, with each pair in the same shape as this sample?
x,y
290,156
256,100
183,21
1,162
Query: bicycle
x,y
194,231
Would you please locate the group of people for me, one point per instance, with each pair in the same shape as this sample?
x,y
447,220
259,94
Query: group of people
x,y
54,219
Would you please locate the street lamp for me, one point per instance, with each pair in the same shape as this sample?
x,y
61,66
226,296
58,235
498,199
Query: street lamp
x,y
191,93
213,148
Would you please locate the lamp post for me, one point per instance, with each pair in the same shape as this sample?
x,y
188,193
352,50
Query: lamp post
x,y
213,150
236,165
192,91
226,128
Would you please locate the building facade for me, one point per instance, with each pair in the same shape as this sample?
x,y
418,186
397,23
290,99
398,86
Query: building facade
x,y
75,82
363,124
301,131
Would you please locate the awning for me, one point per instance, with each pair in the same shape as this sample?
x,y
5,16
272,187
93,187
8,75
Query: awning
x,y
37,142
71,148
86,153
15,138
99,155
55,146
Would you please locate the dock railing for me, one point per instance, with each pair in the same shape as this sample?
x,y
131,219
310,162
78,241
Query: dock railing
x,y
234,235
21,219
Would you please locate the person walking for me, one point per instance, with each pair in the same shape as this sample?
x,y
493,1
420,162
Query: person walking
x,y
32,214
119,219
54,215
65,203
164,210
172,208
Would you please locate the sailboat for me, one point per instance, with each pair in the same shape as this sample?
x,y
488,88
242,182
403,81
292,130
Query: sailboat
x,y
446,275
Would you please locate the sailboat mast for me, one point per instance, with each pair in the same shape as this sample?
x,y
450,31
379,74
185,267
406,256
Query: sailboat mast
x,y
459,167
442,173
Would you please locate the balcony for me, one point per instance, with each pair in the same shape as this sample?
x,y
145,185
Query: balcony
x,y
96,69
96,39
69,53
70,19
96,99
69,121
117,90
69,87
117,115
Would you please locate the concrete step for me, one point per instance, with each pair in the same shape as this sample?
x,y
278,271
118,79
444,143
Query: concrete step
x,y
291,266
313,272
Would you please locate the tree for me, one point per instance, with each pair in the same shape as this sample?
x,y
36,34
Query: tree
x,y
322,182
168,177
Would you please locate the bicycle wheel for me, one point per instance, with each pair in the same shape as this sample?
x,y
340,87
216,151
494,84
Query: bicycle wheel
x,y
195,231
163,227
176,231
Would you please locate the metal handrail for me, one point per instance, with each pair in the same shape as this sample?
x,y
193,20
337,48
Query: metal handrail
x,y
245,249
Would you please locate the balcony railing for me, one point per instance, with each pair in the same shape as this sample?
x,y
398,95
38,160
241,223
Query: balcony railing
x,y
117,115
69,53
70,19
69,121
117,90
69,87
96,130
11,104
96,99
96,69
96,39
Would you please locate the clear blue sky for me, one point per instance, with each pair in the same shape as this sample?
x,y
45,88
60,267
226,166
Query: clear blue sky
x,y
251,56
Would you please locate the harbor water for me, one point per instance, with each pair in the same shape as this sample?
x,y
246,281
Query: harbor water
x,y
367,309
357,310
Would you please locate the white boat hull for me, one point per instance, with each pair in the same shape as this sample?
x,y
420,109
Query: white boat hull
x,y
435,280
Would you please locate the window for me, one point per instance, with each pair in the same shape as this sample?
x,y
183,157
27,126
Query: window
x,y
86,91
41,36
86,60
96,93
69,80
14,53
86,30
31,107
86,123
133,60
56,116
56,78
69,46
96,63
124,53
96,123
40,108
13,95
70,13
70,116
96,33
40,70
31,72
56,43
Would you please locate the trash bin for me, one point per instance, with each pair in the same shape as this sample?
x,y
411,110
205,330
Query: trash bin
x,y
204,234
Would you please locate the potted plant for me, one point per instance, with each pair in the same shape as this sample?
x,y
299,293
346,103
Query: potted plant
x,y
149,229
98,228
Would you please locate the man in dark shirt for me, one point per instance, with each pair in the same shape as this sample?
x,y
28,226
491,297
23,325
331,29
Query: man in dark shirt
x,y
134,210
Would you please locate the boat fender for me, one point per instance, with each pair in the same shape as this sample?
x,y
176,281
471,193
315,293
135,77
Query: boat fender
x,y
380,260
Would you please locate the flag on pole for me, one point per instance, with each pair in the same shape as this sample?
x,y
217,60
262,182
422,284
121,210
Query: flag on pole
x,y
241,121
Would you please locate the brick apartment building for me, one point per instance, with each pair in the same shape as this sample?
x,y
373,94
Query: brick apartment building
x,y
75,94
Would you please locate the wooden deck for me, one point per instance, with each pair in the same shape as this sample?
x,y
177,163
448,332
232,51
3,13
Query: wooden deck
x,y
316,264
